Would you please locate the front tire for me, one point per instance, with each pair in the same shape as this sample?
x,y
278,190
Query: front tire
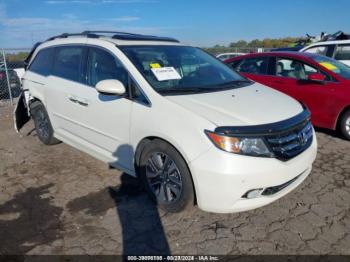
x,y
42,124
166,176
345,125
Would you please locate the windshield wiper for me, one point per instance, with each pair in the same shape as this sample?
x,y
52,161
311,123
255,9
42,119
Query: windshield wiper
x,y
181,90
235,83
211,88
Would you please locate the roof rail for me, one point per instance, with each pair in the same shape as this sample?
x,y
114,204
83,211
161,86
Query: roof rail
x,y
131,36
65,35
108,32
117,35
145,38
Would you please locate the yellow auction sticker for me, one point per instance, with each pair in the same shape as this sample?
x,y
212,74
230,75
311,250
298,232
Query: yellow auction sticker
x,y
329,66
155,65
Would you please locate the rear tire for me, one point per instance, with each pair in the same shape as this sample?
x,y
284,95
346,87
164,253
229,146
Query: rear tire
x,y
166,176
42,124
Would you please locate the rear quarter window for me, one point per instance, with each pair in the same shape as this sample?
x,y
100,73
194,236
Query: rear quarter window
x,y
342,52
42,62
321,50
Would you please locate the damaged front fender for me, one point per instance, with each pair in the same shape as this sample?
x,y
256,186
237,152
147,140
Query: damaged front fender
x,y
21,114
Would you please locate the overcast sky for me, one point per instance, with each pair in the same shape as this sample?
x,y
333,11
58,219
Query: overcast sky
x,y
199,22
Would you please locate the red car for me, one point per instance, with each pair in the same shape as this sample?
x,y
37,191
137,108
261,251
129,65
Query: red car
x,y
319,82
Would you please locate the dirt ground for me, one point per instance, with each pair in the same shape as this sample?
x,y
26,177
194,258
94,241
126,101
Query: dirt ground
x,y
57,200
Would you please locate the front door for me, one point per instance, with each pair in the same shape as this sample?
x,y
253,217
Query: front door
x,y
291,77
107,117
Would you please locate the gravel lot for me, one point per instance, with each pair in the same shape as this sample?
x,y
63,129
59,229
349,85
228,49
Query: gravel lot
x,y
57,200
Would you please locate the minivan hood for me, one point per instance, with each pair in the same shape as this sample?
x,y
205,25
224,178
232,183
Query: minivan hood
x,y
251,105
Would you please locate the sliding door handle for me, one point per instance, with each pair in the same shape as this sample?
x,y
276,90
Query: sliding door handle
x,y
73,99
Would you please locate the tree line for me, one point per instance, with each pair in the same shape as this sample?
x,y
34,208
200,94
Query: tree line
x,y
242,45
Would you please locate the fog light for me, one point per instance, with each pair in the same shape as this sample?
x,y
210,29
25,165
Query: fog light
x,y
253,193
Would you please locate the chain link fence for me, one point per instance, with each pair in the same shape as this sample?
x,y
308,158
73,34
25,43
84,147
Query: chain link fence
x,y
11,72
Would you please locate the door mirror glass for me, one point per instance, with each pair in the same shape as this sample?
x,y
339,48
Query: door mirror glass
x,y
317,77
111,87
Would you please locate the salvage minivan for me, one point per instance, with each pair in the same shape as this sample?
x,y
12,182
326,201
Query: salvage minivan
x,y
193,130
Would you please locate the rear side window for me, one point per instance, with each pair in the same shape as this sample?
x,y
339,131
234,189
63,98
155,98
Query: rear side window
x,y
321,50
102,66
42,62
256,65
67,63
342,52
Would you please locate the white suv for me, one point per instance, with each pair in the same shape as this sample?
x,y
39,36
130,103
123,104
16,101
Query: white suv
x,y
337,49
192,129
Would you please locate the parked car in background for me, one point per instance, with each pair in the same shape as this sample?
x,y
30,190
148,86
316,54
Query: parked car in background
x,y
15,84
190,127
319,82
339,50
292,48
225,56
18,67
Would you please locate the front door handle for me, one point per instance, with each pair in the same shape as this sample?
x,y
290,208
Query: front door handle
x,y
83,103
79,101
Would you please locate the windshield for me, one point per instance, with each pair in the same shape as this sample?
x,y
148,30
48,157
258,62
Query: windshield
x,y
181,69
333,65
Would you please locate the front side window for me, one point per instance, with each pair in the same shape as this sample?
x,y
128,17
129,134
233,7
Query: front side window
x,y
293,68
182,69
42,62
256,65
102,66
286,67
333,65
68,62
321,50
342,52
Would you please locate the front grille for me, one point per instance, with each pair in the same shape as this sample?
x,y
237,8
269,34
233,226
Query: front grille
x,y
288,144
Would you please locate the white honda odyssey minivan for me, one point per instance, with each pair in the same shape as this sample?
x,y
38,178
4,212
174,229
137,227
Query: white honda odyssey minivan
x,y
192,129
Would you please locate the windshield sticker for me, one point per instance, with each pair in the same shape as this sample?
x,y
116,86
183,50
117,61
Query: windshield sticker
x,y
155,65
165,73
329,66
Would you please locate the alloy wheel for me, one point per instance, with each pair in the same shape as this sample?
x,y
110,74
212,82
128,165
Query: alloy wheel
x,y
164,177
347,125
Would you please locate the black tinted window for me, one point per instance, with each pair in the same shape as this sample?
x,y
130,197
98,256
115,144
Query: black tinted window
x,y
136,93
342,52
256,65
102,66
68,62
42,62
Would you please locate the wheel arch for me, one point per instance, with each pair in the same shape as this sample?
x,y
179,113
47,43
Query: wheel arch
x,y
337,123
144,141
33,100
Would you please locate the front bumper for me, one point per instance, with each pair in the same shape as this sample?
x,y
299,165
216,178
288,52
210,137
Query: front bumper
x,y
222,179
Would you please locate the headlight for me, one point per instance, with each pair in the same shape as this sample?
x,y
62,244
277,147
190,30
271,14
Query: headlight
x,y
240,145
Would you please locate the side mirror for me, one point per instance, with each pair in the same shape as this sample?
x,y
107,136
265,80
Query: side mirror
x,y
316,77
110,87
